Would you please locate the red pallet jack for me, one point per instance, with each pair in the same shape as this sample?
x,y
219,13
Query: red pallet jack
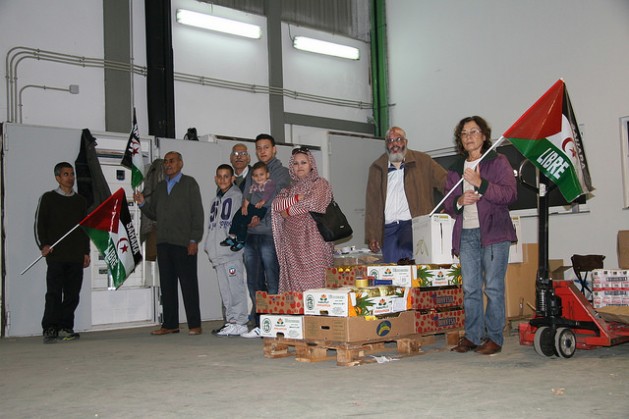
x,y
564,319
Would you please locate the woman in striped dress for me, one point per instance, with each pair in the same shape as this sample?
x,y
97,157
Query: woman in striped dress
x,y
302,253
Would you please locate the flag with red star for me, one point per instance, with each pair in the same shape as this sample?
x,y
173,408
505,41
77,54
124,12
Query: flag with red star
x,y
109,226
132,158
548,135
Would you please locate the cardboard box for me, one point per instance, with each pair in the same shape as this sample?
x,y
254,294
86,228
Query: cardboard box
x,y
291,302
557,269
272,325
606,298
515,250
358,329
344,276
399,275
520,282
433,298
351,302
623,249
432,239
610,279
438,275
438,321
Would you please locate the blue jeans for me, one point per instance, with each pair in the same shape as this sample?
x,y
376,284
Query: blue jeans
x,y
398,241
263,269
483,266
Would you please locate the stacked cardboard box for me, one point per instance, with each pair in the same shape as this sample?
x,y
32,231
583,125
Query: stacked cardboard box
x,y
358,329
438,321
424,275
436,298
274,325
282,314
290,302
610,287
423,299
352,301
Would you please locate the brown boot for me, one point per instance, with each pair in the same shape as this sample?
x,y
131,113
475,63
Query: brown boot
x,y
464,345
488,348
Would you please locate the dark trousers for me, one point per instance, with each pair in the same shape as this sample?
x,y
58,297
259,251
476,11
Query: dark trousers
x,y
398,241
63,286
175,264
240,221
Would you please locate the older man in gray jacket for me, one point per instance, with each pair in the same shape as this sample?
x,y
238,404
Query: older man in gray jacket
x,y
177,207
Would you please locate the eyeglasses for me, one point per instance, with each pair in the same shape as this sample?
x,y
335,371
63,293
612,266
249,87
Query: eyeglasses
x,y
303,150
240,153
394,140
471,133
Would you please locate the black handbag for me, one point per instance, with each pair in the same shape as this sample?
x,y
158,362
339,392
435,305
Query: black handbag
x,y
332,224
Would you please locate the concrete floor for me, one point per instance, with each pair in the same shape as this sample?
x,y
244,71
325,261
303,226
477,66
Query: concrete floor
x,y
130,374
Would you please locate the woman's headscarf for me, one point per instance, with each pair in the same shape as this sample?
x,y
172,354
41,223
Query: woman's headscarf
x,y
303,185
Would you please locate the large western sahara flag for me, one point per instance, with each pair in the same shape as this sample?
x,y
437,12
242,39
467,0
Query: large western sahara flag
x,y
548,135
110,228
132,158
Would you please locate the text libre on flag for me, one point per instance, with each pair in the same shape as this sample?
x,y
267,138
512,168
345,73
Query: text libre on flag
x,y
547,134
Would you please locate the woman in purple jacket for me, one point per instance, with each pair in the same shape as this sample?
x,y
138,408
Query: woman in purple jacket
x,y
482,232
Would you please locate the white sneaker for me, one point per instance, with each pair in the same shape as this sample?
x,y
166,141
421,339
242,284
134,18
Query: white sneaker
x,y
254,333
238,330
226,331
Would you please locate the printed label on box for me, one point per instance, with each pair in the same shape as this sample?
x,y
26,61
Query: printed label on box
x,y
399,275
291,327
350,302
439,275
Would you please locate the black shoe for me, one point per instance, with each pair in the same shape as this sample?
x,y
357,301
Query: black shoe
x,y
68,334
229,241
237,246
50,335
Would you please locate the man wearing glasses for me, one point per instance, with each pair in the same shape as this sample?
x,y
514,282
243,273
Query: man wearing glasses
x,y
399,188
240,159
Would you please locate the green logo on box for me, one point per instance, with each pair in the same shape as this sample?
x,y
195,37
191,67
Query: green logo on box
x,y
267,326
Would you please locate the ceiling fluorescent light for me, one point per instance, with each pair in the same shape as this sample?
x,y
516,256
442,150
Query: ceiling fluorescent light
x,y
329,48
213,23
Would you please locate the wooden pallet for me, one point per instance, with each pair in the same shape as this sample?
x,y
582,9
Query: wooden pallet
x,y
353,353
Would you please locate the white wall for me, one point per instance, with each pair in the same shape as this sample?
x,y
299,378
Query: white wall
x,y
495,58
75,27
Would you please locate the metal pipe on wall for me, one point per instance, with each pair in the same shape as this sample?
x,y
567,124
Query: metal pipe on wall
x,y
17,54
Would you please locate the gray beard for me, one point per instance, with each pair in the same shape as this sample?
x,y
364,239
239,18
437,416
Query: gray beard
x,y
396,157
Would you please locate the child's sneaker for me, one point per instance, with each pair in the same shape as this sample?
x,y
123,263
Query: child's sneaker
x,y
50,335
68,334
239,329
225,331
238,246
229,241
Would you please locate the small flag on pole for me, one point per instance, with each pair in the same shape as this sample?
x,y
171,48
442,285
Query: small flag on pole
x,y
110,228
132,158
547,134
